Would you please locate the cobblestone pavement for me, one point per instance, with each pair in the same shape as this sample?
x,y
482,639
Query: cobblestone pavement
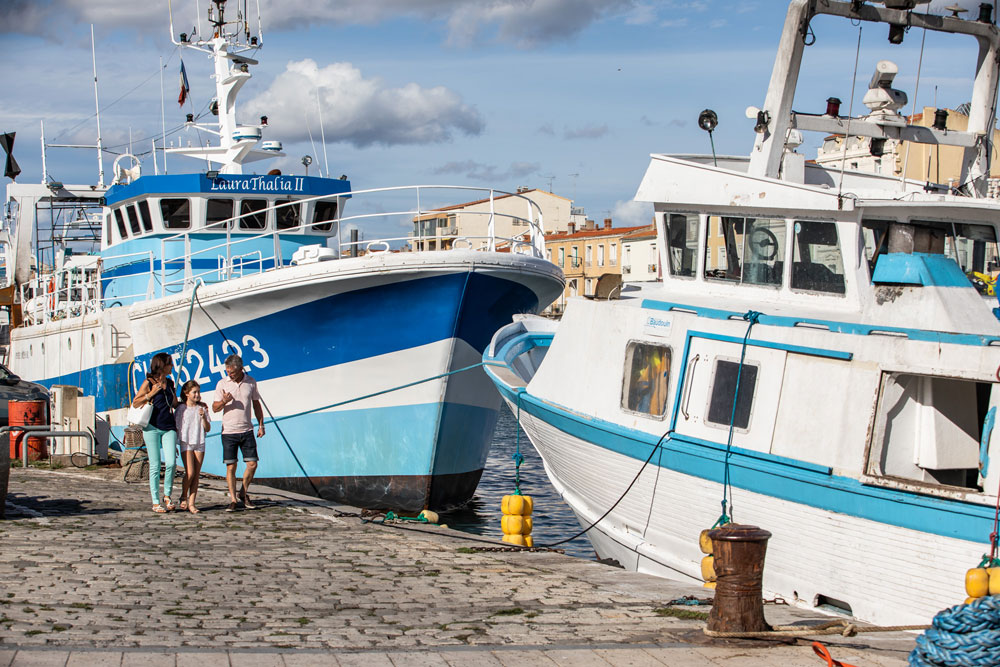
x,y
85,567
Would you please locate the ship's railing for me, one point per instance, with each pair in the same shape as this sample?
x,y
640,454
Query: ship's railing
x,y
240,254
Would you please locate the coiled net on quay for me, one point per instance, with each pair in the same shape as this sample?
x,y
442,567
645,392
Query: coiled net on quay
x,y
966,635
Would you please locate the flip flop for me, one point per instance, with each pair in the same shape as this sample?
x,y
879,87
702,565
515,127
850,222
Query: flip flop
x,y
159,509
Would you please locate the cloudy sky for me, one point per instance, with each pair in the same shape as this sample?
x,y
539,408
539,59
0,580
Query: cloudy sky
x,y
571,95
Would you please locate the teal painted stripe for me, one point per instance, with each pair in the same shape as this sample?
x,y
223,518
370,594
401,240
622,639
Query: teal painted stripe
x,y
780,477
398,440
853,328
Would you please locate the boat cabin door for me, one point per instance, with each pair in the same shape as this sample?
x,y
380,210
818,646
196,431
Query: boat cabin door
x,y
708,387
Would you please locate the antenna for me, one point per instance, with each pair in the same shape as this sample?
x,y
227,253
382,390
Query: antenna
x,y
97,103
550,179
322,134
163,125
45,174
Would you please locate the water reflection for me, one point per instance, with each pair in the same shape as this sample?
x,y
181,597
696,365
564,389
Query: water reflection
x,y
553,519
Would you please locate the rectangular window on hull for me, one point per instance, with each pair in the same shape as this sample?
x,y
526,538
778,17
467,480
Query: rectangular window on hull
x,y
682,243
720,406
817,264
751,251
253,214
133,219
647,375
286,214
120,221
324,215
147,218
217,211
176,213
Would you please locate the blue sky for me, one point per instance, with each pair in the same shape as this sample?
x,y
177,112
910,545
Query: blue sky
x,y
501,93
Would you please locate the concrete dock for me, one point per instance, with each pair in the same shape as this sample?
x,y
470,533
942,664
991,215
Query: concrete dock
x,y
89,576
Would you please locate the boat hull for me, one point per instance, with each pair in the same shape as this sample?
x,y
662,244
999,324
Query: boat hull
x,y
369,368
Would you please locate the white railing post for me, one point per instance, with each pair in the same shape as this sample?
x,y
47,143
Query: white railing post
x,y
491,243
188,277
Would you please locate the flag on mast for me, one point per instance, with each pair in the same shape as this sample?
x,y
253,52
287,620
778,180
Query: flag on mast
x,y
185,88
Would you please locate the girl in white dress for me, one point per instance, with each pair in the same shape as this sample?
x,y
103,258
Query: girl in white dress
x,y
192,424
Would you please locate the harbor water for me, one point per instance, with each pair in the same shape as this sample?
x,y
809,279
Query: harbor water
x,y
554,521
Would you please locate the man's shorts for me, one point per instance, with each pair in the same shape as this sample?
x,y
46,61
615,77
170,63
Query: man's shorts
x,y
244,441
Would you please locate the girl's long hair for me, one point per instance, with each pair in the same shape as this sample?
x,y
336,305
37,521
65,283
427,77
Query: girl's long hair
x,y
188,386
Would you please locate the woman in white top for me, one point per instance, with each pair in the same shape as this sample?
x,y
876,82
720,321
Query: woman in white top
x,y
192,423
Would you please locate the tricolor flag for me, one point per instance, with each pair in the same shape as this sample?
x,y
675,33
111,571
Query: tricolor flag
x,y
185,88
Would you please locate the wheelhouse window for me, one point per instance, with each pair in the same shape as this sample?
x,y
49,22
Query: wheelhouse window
x,y
145,215
682,243
120,221
720,406
217,211
286,214
817,263
176,213
749,251
253,214
647,375
324,213
133,219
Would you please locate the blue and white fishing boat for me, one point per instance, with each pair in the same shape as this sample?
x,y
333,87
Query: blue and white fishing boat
x,y
368,359
861,434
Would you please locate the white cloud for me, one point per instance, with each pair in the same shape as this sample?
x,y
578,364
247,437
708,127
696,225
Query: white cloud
x,y
359,111
641,14
632,213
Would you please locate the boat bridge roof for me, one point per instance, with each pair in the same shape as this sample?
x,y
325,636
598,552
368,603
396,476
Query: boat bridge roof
x,y
228,184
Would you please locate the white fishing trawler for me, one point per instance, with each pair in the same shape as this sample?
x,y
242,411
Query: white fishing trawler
x,y
368,359
830,375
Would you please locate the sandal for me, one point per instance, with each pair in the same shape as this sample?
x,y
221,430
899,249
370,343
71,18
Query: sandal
x,y
159,509
169,505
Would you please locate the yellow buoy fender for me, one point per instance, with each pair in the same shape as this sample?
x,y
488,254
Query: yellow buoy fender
x,y
705,542
994,573
708,568
516,505
515,525
429,516
515,539
977,582
709,584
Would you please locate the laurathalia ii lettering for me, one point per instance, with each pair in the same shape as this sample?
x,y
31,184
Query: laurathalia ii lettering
x,y
274,184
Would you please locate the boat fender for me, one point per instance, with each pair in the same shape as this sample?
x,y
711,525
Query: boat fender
x,y
516,520
428,516
977,582
517,505
994,573
708,569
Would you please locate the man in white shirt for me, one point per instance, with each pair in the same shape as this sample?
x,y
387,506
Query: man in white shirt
x,y
233,397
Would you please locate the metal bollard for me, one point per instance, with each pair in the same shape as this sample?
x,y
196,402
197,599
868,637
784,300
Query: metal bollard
x,y
739,566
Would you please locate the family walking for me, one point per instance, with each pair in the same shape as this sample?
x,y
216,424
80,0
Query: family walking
x,y
187,420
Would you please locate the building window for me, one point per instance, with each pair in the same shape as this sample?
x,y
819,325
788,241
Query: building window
x,y
575,257
562,257
600,255
590,255
613,259
588,287
647,375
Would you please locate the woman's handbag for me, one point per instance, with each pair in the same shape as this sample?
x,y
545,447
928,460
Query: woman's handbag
x,y
140,416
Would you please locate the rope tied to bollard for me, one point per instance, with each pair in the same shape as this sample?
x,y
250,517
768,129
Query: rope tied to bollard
x,y
841,627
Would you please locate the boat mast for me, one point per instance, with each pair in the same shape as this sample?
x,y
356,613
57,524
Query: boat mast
x,y
97,103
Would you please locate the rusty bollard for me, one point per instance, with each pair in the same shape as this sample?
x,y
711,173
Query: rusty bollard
x,y
739,567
